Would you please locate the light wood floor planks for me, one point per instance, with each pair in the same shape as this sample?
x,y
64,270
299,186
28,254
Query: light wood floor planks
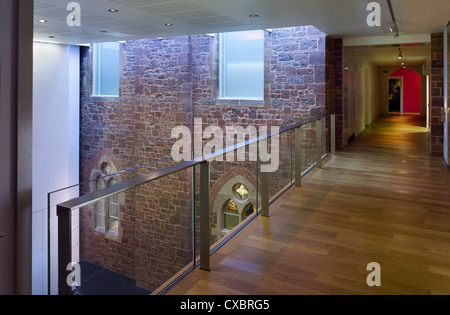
x,y
381,199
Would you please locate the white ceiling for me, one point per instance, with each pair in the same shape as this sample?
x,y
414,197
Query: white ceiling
x,y
139,19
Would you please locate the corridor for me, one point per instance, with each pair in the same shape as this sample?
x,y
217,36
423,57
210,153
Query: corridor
x,y
381,199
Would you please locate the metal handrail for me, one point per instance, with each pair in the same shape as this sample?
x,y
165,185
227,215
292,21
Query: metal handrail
x,y
91,198
144,179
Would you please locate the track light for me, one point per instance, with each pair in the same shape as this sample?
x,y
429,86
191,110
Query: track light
x,y
400,54
394,27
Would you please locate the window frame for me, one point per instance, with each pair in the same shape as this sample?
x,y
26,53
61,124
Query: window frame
x,y
93,86
222,72
113,201
217,73
230,214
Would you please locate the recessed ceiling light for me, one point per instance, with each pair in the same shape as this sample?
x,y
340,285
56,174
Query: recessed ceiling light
x,y
113,10
254,16
169,24
51,36
103,31
42,21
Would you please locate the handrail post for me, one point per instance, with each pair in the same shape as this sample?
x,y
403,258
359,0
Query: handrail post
x,y
333,134
205,263
64,248
319,124
265,184
298,157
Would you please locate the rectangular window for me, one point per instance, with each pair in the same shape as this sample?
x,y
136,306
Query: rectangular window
x,y
106,69
241,73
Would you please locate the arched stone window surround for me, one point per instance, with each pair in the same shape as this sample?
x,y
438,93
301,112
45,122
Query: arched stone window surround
x,y
99,179
221,193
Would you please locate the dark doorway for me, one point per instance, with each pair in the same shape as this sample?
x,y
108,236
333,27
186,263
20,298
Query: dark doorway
x,y
395,95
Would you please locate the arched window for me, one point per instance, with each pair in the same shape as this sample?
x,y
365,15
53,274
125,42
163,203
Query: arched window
x,y
231,200
107,210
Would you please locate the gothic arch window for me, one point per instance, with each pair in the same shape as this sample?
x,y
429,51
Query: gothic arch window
x,y
107,210
233,203
106,218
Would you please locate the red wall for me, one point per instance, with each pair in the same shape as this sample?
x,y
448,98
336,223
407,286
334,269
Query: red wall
x,y
411,89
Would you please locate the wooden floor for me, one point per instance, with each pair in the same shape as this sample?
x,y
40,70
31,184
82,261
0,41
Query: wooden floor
x,y
381,199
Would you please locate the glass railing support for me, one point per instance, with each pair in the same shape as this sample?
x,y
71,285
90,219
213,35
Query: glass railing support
x,y
64,249
319,124
204,216
333,134
265,196
298,157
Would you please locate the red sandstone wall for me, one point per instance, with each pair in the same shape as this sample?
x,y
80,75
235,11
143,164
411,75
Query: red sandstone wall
x,y
167,83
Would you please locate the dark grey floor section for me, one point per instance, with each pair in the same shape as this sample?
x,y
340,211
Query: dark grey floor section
x,y
96,280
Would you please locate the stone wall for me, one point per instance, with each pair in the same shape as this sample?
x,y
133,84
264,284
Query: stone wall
x,y
167,83
338,87
437,95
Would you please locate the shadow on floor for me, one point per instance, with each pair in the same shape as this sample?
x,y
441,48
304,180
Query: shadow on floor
x,y
96,280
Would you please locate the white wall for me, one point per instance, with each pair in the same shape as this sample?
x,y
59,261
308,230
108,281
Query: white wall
x,y
55,144
361,93
366,97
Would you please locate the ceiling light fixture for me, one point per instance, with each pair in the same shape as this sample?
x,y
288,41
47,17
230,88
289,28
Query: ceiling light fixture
x,y
42,21
400,54
169,24
113,10
394,26
254,16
